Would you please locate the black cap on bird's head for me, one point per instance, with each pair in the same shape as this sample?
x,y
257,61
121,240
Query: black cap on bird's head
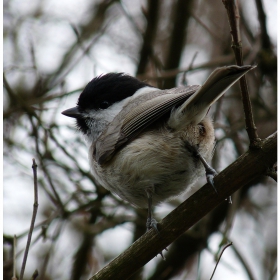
x,y
102,92
105,90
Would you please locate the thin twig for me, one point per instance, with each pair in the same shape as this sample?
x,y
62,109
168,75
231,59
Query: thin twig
x,y
233,17
220,259
35,208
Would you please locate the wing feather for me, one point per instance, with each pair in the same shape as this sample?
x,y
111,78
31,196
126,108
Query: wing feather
x,y
132,120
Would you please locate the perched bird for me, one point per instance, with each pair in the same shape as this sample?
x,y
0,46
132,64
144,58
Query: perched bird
x,y
145,144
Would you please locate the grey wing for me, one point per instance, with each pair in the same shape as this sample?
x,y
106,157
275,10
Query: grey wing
x,y
126,127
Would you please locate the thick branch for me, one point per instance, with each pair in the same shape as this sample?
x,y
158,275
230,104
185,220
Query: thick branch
x,y
246,168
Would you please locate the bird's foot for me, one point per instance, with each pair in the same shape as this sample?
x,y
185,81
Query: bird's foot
x,y
152,223
210,174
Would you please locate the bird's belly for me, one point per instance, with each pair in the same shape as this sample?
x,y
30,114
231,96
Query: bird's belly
x,y
159,162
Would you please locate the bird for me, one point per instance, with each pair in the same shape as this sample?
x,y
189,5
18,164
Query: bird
x,y
148,145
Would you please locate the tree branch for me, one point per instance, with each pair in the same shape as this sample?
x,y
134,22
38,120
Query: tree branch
x,y
246,168
35,208
233,17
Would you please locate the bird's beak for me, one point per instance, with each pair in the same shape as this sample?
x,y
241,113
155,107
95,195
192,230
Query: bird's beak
x,y
72,113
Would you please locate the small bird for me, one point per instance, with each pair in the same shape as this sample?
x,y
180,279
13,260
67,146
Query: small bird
x,y
145,144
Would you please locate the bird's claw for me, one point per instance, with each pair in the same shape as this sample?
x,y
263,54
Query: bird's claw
x,y
152,223
210,174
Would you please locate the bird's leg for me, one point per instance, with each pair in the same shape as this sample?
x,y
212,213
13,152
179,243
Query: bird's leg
x,y
210,174
151,222
210,171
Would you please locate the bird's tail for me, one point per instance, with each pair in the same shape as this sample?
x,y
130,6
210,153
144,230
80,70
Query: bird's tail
x,y
221,79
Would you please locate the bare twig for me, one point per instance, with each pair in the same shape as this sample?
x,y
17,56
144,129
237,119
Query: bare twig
x,y
233,16
220,259
35,208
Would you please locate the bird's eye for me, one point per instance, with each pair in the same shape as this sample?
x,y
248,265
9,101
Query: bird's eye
x,y
104,104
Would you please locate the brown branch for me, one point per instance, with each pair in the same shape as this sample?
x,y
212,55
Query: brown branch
x,y
35,208
248,167
233,16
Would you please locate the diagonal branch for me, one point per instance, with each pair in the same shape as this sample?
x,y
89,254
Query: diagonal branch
x,y
246,168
